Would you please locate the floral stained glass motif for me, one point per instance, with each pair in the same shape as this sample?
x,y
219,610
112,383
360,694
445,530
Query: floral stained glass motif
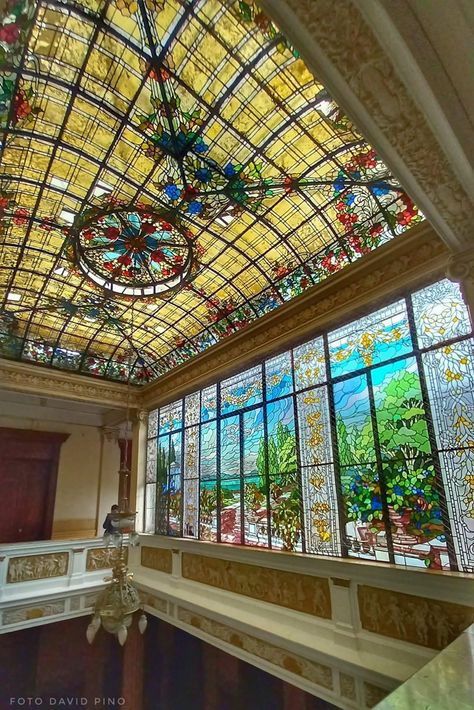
x,y
209,403
191,408
241,391
278,377
440,313
310,364
373,339
317,472
371,458
449,374
136,252
277,199
170,417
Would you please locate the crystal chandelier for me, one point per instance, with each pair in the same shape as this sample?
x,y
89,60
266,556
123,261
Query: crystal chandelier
x,y
116,604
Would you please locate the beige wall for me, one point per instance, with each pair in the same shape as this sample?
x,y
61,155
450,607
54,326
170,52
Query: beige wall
x,y
87,476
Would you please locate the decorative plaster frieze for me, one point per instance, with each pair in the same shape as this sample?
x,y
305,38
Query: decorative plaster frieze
x,y
316,673
17,615
31,567
373,694
102,558
32,379
157,558
299,592
347,686
427,622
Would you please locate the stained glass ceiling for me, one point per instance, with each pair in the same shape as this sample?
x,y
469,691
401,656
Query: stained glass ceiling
x,y
169,172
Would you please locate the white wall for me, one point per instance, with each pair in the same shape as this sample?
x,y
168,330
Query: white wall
x,y
87,482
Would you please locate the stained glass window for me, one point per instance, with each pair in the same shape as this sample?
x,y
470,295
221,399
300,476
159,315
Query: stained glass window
x,y
358,443
187,151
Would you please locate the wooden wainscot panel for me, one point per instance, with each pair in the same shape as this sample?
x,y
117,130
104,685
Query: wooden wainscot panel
x,y
299,592
310,670
157,558
427,622
103,558
30,567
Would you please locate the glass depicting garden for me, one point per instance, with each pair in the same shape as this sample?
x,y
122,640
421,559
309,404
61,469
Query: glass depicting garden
x,y
358,443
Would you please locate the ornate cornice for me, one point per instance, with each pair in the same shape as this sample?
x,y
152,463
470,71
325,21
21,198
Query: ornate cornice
x,y
338,45
405,262
32,379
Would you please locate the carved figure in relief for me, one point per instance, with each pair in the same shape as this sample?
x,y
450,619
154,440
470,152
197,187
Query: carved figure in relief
x,y
394,617
22,569
444,630
372,611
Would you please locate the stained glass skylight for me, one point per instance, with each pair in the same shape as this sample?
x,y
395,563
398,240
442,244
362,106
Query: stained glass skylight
x,y
198,113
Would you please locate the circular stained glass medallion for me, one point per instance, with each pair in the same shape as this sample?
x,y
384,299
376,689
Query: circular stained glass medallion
x,y
133,251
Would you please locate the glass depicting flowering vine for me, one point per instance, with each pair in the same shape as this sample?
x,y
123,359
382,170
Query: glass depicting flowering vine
x,y
310,364
318,482
440,313
449,374
240,391
278,378
373,339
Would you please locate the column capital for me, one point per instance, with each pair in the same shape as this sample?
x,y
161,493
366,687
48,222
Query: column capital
x,y
460,266
142,416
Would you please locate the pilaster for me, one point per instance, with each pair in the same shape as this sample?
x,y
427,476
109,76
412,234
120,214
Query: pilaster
x,y
460,269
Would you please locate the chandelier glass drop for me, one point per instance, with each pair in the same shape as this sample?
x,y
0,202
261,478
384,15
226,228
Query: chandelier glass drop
x,y
116,604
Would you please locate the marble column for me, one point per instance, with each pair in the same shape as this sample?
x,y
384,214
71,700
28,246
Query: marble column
x,y
137,483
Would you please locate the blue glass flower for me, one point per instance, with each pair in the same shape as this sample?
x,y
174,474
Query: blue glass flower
x,y
338,184
380,189
200,146
376,503
203,175
398,490
229,170
173,192
195,207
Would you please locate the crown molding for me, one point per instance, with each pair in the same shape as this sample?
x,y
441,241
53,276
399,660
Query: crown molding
x,y
32,379
407,261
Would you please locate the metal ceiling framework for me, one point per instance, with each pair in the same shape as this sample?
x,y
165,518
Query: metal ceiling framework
x,y
199,109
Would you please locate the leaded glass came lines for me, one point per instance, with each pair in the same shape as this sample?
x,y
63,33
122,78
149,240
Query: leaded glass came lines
x,y
366,453
201,109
